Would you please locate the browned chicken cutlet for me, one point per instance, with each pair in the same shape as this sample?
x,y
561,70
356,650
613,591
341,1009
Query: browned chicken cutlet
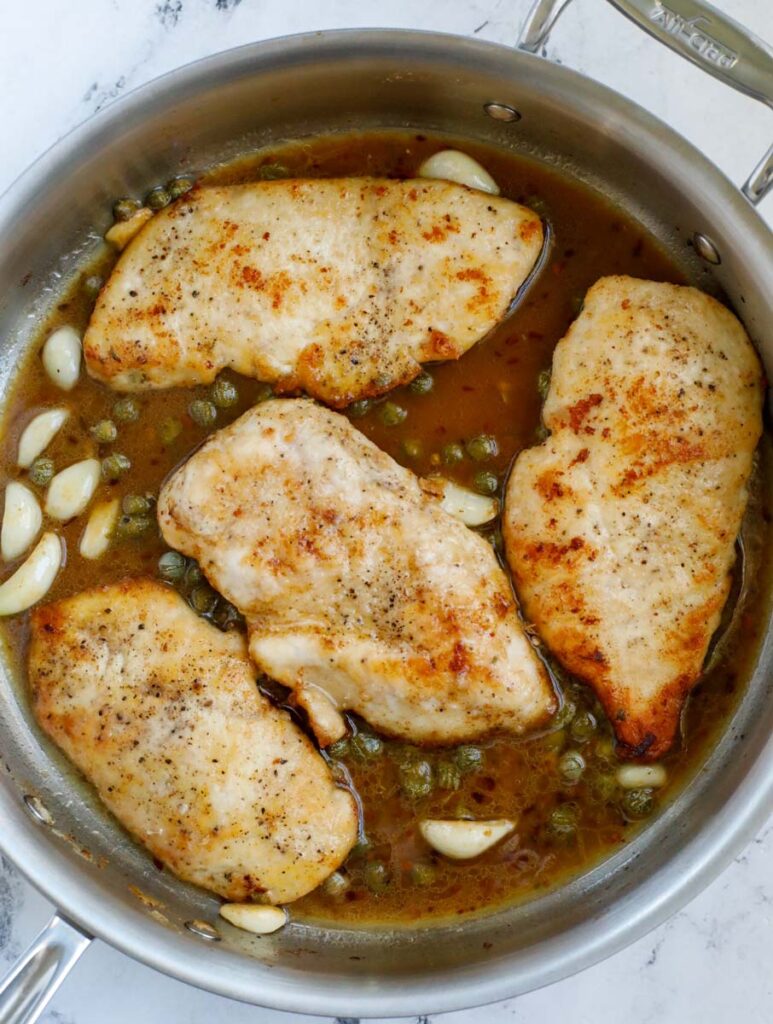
x,y
160,711
339,287
620,528
360,591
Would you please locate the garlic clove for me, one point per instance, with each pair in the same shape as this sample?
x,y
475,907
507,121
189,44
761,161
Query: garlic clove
x,y
99,529
254,917
122,232
33,579
62,357
38,435
461,840
452,165
22,520
462,503
71,490
642,776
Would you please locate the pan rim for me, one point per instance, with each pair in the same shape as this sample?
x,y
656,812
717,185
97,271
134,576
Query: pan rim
x,y
45,866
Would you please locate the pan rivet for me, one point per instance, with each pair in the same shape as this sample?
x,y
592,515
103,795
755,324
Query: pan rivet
x,y
37,809
501,112
706,248
203,929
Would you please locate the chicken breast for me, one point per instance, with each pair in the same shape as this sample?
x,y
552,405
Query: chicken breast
x,y
359,591
620,527
160,711
340,287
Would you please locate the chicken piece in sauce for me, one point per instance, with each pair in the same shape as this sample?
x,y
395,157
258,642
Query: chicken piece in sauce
x,y
338,287
360,592
160,711
620,528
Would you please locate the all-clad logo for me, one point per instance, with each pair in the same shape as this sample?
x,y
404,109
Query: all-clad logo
x,y
695,35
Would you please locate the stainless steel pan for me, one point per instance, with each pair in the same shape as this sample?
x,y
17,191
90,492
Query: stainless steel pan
x,y
53,828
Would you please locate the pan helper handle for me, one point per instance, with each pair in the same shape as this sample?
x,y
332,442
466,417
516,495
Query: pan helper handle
x,y
27,988
703,35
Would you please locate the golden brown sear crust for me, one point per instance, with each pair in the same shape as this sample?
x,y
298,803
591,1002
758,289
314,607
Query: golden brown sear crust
x,y
160,711
339,287
620,527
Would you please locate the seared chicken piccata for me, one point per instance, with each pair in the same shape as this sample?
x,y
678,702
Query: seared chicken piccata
x,y
359,591
620,528
160,710
339,287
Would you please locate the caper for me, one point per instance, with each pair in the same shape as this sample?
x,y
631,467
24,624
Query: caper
x,y
226,616
158,198
566,713
411,448
171,566
392,414
563,821
416,779
541,433
463,812
124,209
359,408
423,874
115,465
135,504
179,186
42,471
637,804
202,412
366,746
224,393
583,727
193,574
339,749
452,453
468,758
543,383
270,172
104,431
482,447
376,876
335,884
571,766
92,285
449,775
133,526
169,429
126,410
264,392
486,482
202,599
422,384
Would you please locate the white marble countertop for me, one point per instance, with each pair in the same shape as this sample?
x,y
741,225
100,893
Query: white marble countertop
x,y
61,60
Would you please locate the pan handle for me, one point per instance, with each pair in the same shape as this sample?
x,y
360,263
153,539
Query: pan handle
x,y
39,971
703,35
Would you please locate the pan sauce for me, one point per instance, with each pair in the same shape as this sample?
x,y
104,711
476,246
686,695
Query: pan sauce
x,y
564,826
